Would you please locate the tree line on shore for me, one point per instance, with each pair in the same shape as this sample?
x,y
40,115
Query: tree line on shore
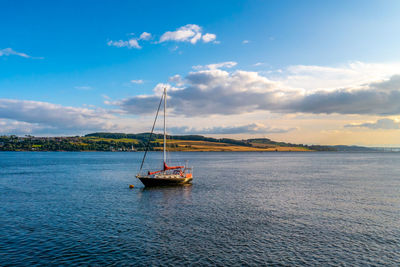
x,y
125,142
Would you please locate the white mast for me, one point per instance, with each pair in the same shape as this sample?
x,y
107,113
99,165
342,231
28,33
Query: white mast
x,y
165,128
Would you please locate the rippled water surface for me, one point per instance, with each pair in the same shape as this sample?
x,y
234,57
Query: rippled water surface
x,y
243,208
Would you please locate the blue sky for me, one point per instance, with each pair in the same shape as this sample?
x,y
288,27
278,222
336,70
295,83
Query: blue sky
x,y
59,53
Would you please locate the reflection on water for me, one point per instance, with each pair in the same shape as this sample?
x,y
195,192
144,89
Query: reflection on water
x,y
243,209
166,193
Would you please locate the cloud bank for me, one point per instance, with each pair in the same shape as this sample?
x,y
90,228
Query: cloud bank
x,y
253,128
220,93
35,115
213,91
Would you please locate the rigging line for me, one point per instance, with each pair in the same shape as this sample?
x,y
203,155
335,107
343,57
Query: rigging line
x,y
151,134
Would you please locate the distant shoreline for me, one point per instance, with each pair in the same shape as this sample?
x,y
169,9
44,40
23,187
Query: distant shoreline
x,y
120,142
90,151
382,150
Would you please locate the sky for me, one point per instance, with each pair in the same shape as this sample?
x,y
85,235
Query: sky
x,y
310,72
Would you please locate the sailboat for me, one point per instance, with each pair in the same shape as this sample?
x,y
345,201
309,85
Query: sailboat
x,y
168,175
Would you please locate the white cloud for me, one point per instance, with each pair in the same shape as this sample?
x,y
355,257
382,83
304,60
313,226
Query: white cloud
x,y
129,104
183,34
145,36
209,37
159,88
134,43
195,38
387,124
137,81
226,64
258,64
189,33
17,127
245,42
131,43
11,52
314,78
177,79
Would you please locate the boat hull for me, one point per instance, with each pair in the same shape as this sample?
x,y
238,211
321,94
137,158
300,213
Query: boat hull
x,y
150,181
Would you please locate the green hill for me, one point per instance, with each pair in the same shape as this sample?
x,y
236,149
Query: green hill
x,y
103,141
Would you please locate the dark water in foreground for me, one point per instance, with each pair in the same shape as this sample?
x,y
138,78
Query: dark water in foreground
x,y
243,209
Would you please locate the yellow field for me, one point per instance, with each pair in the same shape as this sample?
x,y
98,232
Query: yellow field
x,y
183,145
191,145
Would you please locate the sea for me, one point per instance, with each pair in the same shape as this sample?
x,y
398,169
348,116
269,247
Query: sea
x,y
243,209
